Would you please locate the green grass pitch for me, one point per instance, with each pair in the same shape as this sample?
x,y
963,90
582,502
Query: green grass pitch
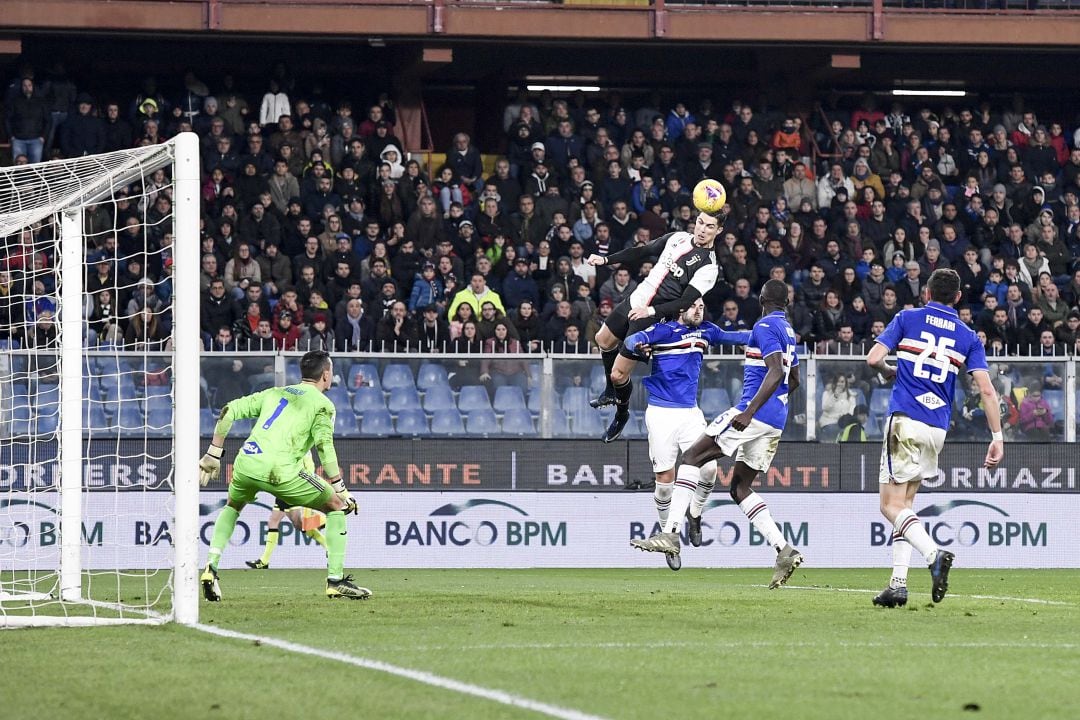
x,y
640,644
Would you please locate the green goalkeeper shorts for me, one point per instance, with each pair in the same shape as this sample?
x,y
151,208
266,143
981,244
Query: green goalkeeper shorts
x,y
304,490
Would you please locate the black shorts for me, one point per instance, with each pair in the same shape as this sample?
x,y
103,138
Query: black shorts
x,y
621,326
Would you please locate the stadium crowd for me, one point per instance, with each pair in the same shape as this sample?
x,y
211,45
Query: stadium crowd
x,y
318,231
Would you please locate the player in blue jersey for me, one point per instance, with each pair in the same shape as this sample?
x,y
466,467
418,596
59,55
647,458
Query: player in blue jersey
x,y
931,345
749,432
673,419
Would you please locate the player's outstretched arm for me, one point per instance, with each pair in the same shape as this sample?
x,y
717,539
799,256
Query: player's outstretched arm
x,y
774,375
642,341
244,407
716,336
991,406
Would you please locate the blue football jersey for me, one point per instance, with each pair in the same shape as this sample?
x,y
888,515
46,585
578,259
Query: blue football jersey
x,y
931,346
771,334
677,357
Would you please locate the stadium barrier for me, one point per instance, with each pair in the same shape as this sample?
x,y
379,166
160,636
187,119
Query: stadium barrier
x,y
530,529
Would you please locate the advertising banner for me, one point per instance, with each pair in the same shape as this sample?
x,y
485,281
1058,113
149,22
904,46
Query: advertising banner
x,y
513,465
534,529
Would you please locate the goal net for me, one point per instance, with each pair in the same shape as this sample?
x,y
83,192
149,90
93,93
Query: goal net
x,y
99,363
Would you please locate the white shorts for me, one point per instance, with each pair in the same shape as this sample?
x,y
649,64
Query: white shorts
x,y
671,430
754,447
910,450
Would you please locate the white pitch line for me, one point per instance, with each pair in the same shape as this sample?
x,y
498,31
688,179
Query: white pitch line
x,y
1003,598
743,645
420,676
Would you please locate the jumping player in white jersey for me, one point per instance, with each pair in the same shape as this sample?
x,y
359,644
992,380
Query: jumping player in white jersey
x,y
673,419
932,345
749,432
686,269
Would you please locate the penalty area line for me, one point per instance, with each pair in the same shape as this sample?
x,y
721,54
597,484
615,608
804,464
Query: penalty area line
x,y
443,683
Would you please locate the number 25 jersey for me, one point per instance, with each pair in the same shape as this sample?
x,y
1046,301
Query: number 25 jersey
x,y
931,346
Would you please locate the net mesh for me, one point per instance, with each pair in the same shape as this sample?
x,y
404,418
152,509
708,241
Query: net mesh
x,y
120,208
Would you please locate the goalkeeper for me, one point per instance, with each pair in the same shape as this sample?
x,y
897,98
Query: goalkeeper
x,y
291,420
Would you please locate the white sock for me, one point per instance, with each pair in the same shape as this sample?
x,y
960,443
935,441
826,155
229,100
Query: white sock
x,y
662,496
907,525
901,558
704,488
757,512
686,482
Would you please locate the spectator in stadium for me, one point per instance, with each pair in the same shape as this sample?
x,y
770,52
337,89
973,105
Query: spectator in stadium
x,y
427,288
27,122
103,317
501,373
286,333
217,309
82,133
355,330
433,330
241,270
837,401
317,335
397,332
475,295
1036,416
146,332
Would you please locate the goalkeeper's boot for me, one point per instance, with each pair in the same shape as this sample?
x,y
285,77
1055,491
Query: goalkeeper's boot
x,y
786,561
939,573
618,423
606,398
693,529
345,588
667,543
257,564
891,597
211,588
674,561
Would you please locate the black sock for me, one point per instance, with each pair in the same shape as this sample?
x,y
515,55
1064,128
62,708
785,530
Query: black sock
x,y
608,356
623,393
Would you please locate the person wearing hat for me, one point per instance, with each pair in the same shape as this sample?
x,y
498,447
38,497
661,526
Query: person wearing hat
x,y
519,286
286,334
82,133
427,288
318,335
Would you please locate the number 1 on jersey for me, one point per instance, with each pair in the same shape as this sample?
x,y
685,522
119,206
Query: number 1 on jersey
x,y
277,411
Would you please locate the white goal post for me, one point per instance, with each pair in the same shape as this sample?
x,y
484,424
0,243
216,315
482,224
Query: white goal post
x,y
79,407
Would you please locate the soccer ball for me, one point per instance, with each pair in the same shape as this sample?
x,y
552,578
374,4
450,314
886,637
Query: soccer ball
x,y
709,196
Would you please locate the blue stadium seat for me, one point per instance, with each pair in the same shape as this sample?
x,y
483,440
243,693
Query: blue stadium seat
x,y
430,375
879,402
367,399
364,374
536,398
292,373
588,423
397,375
47,395
873,428
635,429
439,397
447,422
377,422
159,421
340,398
130,419
241,428
158,402
207,421
518,422
473,397
560,424
116,397
345,424
403,399
158,391
94,418
412,422
509,398
714,401
46,424
597,380
1056,400
481,422
575,399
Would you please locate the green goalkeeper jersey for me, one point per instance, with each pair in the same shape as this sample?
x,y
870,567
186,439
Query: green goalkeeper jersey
x,y
291,420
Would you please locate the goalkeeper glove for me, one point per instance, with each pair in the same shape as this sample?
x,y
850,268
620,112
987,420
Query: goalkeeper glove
x,y
342,492
210,465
